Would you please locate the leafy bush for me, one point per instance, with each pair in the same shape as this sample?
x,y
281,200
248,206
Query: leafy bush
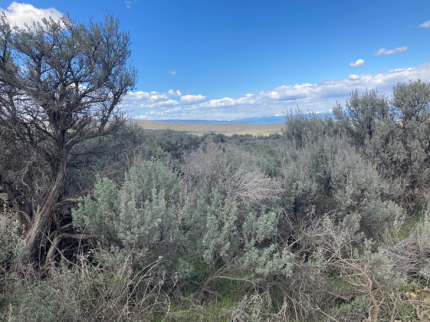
x,y
235,243
299,228
394,133
10,243
53,299
230,171
301,128
142,216
362,114
330,176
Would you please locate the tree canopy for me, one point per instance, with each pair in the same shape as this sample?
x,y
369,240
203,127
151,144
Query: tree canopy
x,y
61,83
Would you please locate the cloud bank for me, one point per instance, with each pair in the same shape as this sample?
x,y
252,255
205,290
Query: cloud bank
x,y
151,100
383,51
22,13
319,97
358,63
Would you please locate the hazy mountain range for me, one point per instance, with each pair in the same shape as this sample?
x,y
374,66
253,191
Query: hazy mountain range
x,y
250,120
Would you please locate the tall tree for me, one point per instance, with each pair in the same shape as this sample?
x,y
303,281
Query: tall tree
x,y
61,83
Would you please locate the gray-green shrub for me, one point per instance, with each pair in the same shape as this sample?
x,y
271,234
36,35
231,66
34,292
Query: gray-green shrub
x,y
235,242
230,171
393,133
331,176
141,216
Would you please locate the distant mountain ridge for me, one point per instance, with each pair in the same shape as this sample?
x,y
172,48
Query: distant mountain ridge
x,y
251,120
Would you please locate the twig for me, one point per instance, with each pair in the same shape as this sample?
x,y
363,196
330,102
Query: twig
x,y
330,317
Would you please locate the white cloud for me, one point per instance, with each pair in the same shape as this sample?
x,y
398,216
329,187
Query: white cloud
x,y
191,99
130,3
173,72
155,99
176,109
425,24
383,51
22,13
358,63
162,104
153,96
319,97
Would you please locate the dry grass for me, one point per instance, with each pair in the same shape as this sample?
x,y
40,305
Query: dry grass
x,y
227,128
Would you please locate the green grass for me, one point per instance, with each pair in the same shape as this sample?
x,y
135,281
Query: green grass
x,y
410,223
256,147
212,312
224,295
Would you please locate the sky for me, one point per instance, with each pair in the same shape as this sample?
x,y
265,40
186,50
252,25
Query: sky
x,y
234,59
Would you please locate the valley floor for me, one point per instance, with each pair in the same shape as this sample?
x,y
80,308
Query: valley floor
x,y
222,128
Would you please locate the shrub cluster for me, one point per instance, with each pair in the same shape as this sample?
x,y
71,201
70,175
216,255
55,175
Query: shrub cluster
x,y
326,222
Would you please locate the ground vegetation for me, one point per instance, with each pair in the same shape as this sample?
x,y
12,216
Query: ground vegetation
x,y
327,221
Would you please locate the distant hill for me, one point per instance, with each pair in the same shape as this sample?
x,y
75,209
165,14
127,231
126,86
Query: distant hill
x,y
251,120
272,119
202,127
262,120
193,121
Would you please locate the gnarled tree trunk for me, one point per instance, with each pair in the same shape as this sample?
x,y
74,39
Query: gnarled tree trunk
x,y
41,218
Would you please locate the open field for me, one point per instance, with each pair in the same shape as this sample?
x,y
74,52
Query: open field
x,y
223,128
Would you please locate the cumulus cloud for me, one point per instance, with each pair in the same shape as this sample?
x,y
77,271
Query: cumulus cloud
x,y
22,13
425,24
191,99
172,72
319,97
383,51
155,99
358,63
153,96
162,104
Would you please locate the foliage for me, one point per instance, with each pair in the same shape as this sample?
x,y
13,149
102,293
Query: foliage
x,y
231,239
362,114
140,217
61,83
231,172
303,226
330,176
394,134
302,128
10,241
85,293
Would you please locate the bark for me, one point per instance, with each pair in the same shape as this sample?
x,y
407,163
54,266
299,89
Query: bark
x,y
49,103
56,242
41,218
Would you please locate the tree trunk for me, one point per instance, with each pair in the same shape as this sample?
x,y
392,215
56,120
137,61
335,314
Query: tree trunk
x,y
42,215
56,242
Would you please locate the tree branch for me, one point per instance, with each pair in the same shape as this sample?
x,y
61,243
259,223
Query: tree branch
x,y
56,242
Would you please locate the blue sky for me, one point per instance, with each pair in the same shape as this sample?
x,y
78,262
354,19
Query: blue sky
x,y
225,60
